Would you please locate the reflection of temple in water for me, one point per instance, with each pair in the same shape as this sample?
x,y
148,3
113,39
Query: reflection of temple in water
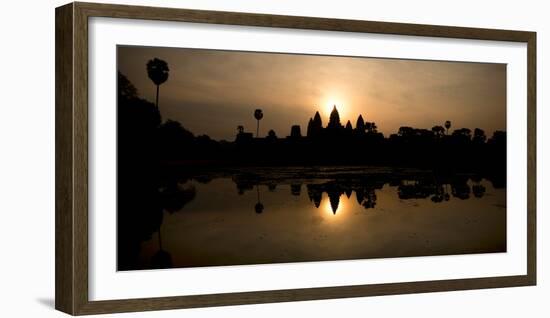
x,y
364,192
435,189
141,219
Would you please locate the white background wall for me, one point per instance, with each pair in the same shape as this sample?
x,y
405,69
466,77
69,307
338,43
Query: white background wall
x,y
27,158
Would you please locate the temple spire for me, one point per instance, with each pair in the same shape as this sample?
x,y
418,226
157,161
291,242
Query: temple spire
x,y
334,120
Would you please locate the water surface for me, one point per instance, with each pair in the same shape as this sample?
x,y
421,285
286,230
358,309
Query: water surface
x,y
274,215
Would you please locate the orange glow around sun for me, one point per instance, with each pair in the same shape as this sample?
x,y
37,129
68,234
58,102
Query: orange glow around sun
x,y
328,104
342,210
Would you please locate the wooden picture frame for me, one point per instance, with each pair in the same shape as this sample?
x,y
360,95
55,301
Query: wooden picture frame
x,y
72,280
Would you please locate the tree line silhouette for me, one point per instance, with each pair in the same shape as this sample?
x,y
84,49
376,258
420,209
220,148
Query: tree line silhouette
x,y
333,144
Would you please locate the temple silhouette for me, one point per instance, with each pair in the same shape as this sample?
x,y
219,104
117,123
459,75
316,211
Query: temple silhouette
x,y
337,144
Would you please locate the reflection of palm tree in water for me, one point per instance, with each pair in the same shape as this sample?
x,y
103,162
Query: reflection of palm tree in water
x,y
174,197
259,207
161,259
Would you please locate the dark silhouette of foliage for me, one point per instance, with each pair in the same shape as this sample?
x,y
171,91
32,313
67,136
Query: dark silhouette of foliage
x,y
479,136
371,127
406,132
463,132
126,90
271,135
498,137
139,205
172,133
438,131
175,197
448,126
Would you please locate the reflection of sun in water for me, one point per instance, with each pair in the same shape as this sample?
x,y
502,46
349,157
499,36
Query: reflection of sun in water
x,y
343,208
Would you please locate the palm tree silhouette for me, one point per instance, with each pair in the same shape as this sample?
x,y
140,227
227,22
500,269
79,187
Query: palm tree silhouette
x,y
447,126
258,114
157,70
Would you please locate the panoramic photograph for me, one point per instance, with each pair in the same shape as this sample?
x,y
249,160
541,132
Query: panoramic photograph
x,y
247,158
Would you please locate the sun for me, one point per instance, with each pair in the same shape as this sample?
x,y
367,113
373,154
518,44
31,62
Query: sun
x,y
329,104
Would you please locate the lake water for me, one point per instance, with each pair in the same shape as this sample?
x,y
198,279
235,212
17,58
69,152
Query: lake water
x,y
274,215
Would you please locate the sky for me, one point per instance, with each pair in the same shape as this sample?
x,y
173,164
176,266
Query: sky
x,y
212,91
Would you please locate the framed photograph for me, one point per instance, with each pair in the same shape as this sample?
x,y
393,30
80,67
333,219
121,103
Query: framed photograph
x,y
211,158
